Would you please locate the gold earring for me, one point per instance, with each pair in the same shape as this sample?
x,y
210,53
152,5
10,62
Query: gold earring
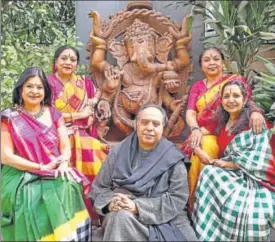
x,y
224,69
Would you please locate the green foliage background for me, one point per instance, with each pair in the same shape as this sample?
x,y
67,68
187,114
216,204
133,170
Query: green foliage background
x,y
241,31
31,31
264,90
241,28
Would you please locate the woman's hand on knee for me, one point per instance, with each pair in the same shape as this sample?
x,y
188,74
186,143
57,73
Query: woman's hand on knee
x,y
195,138
204,157
225,164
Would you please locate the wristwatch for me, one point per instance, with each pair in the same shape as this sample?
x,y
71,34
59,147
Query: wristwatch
x,y
194,128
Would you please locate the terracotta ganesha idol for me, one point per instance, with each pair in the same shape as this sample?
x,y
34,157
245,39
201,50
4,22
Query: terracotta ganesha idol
x,y
152,66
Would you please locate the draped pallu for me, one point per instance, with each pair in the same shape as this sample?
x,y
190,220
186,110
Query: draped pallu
x,y
238,205
88,153
35,205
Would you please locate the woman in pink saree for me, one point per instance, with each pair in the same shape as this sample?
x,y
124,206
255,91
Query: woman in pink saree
x,y
41,196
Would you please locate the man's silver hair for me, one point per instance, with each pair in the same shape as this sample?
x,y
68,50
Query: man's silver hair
x,y
145,106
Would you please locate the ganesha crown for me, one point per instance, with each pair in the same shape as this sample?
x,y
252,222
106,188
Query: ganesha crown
x,y
139,29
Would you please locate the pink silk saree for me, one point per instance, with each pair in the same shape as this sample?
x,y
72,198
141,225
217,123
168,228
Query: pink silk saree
x,y
36,205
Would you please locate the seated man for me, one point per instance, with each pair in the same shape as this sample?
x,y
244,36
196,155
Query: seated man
x,y
141,189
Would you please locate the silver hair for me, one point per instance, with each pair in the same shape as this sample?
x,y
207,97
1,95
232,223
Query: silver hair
x,y
145,106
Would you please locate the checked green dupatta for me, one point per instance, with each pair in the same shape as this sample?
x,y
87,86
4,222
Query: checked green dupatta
x,y
238,205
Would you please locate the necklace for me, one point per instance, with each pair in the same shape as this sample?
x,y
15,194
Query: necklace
x,y
37,115
229,126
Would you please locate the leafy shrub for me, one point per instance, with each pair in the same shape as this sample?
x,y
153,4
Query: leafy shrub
x,y
264,90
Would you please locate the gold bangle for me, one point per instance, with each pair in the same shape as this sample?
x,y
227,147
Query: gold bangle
x,y
72,119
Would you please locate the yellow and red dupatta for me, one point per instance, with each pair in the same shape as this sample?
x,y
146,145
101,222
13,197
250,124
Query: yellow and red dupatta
x,y
211,99
73,97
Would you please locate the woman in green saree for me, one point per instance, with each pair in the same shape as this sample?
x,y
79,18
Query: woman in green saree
x,y
41,195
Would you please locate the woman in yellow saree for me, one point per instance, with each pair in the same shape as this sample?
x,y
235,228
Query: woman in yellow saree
x,y
203,100
76,96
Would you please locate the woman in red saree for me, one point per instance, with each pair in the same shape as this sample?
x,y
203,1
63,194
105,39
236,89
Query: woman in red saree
x,y
75,96
204,98
37,203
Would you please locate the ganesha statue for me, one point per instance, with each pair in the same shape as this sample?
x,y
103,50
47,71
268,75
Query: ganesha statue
x,y
152,65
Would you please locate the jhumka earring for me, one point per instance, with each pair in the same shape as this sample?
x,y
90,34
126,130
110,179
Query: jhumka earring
x,y
54,69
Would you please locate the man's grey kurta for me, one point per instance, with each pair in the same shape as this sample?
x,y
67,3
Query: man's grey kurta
x,y
167,204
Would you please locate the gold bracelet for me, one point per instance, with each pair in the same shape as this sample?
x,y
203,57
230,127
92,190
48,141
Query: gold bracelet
x,y
72,119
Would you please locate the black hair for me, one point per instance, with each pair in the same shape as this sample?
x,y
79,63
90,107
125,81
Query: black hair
x,y
28,73
222,116
211,48
145,106
60,49
238,83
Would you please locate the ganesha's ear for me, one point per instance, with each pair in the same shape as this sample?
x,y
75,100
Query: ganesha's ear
x,y
163,47
119,52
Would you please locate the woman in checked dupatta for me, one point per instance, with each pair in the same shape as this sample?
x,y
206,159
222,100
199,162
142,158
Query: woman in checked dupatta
x,y
41,196
235,196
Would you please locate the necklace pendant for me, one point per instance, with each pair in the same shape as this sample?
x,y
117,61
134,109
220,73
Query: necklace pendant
x,y
37,115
